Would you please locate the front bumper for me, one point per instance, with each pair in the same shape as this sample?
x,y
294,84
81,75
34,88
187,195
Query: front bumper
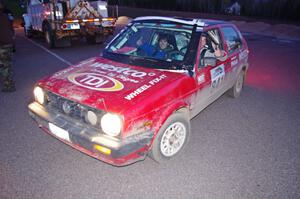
x,y
84,138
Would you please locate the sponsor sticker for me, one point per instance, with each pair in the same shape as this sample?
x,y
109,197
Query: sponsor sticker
x,y
96,82
217,75
120,70
145,87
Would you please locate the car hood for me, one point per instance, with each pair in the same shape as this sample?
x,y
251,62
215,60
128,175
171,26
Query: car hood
x,y
112,86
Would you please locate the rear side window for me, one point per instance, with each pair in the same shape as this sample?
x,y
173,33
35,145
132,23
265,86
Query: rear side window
x,y
232,39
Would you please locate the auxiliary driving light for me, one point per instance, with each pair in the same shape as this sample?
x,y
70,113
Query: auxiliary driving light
x,y
92,118
39,95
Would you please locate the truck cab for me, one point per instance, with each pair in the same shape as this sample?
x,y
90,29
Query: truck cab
x,y
63,20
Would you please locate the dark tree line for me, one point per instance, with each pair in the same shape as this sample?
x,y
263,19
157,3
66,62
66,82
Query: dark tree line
x,y
279,9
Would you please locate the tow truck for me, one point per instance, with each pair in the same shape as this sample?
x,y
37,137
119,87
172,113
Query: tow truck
x,y
61,21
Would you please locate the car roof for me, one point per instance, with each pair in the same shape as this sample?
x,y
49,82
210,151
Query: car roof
x,y
186,21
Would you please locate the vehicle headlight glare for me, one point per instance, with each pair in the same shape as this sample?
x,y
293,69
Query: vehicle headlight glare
x,y
39,95
111,124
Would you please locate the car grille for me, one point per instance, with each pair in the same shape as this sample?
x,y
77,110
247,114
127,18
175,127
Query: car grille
x,y
70,108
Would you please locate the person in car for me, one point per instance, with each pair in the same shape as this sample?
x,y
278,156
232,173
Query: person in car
x,y
160,51
210,49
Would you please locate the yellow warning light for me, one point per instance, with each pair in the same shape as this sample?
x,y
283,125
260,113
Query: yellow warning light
x,y
102,149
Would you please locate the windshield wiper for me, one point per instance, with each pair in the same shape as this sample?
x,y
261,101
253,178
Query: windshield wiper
x,y
188,68
136,59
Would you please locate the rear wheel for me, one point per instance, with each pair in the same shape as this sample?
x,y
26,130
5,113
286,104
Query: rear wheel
x,y
171,138
237,88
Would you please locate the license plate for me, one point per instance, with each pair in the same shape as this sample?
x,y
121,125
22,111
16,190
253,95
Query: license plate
x,y
75,26
59,132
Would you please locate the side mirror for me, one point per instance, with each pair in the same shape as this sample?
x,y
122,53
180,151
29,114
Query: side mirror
x,y
210,61
189,68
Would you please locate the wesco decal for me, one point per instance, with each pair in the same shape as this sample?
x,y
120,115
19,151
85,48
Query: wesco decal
x,y
121,70
96,81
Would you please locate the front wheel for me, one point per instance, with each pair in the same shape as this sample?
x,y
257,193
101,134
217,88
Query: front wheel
x,y
171,138
237,88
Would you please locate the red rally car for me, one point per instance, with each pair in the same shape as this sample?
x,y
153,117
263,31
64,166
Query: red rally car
x,y
138,97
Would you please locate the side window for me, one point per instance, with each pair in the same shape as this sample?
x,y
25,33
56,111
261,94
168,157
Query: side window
x,y
211,47
232,39
182,41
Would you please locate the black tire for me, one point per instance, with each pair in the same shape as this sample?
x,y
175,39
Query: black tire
x,y
236,89
159,151
49,36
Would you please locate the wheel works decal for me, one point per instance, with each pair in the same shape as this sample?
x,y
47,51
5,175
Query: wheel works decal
x,y
96,81
145,87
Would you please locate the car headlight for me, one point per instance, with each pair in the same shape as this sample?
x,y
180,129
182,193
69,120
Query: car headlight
x,y
111,124
39,95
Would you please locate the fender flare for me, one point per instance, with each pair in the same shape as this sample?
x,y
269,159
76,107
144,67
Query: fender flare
x,y
179,106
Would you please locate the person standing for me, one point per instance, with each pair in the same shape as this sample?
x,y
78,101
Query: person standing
x,y
6,50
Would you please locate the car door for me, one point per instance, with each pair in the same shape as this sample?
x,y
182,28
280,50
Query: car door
x,y
210,78
234,47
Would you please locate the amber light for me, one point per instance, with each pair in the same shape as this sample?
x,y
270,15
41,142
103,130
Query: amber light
x,y
72,21
107,19
102,149
88,20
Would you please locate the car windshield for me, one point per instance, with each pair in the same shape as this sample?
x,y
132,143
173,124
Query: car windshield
x,y
153,42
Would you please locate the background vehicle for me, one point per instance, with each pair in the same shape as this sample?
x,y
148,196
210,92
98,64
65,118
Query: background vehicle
x,y
62,20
